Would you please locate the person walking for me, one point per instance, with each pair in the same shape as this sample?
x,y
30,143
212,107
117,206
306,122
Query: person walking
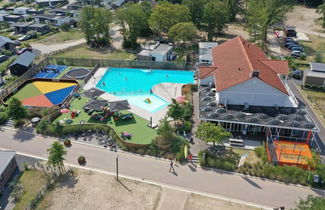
x,y
171,166
190,158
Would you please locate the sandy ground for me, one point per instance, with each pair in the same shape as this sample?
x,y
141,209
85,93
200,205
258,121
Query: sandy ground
x,y
198,202
304,20
89,190
99,191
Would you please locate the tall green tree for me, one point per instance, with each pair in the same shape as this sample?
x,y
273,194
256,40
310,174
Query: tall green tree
x,y
215,18
94,22
165,15
185,31
16,110
210,132
133,19
262,14
165,132
321,10
175,111
56,156
196,8
233,7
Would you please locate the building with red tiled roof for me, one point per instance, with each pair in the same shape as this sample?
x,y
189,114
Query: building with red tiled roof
x,y
243,75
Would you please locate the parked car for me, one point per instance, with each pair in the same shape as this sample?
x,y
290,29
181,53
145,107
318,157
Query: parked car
x,y
25,37
297,49
292,46
292,41
297,53
20,51
289,39
3,58
297,74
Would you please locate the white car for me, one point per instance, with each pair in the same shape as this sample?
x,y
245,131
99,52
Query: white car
x,y
297,53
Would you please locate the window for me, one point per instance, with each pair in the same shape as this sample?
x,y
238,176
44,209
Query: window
x,y
1,178
12,163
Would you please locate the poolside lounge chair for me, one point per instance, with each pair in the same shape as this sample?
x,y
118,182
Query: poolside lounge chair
x,y
126,117
126,135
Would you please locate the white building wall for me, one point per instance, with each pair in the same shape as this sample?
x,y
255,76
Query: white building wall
x,y
254,92
159,57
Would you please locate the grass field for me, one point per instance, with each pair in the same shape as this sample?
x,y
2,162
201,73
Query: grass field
x,y
142,134
318,101
61,37
32,181
101,53
317,44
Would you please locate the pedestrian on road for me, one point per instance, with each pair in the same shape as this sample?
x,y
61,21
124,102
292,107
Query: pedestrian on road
x,y
190,158
171,166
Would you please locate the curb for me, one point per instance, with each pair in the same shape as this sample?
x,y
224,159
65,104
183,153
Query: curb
x,y
167,160
162,185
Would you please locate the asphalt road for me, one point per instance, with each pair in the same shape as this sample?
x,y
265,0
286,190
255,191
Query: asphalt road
x,y
254,190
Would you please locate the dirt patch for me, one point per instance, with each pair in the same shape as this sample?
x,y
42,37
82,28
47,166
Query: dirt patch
x,y
305,19
196,202
98,191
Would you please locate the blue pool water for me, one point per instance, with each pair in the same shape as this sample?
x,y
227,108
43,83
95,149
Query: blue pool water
x,y
135,84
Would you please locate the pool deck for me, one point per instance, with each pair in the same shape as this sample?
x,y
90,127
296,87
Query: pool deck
x,y
166,91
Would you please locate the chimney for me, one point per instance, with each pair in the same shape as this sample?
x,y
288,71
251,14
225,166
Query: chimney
x,y
256,73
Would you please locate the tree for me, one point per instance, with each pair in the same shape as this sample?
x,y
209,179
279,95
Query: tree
x,y
185,31
165,15
196,8
94,22
210,132
262,14
175,111
321,10
215,18
16,110
233,7
56,153
133,19
165,129
311,203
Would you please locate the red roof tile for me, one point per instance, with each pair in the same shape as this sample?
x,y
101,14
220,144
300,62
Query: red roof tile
x,y
234,62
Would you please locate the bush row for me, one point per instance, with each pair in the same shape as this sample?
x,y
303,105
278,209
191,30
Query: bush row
x,y
314,87
226,162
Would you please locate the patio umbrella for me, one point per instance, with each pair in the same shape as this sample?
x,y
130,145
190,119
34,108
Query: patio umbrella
x,y
93,92
96,105
116,106
63,111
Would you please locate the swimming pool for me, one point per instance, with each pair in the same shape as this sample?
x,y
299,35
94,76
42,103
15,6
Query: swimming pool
x,y
135,84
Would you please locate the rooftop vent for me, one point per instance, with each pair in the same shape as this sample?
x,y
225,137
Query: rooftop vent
x,y
256,73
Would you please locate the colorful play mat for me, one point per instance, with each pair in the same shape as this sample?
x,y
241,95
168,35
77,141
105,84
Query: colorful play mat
x,y
45,93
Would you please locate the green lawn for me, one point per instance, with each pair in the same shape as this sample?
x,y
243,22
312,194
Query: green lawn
x,y
32,181
99,53
142,134
317,99
317,44
61,37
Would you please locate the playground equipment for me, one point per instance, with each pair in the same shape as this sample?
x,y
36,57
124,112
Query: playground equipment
x,y
147,100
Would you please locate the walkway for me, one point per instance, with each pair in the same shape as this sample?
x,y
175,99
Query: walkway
x,y
230,185
45,49
199,144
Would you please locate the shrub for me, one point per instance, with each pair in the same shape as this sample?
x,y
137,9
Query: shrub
x,y
141,151
19,123
82,160
187,127
3,117
67,142
259,151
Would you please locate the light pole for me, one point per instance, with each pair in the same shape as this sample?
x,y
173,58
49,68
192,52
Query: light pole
x,y
117,168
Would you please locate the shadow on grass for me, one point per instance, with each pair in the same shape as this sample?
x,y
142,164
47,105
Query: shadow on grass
x,y
121,122
68,180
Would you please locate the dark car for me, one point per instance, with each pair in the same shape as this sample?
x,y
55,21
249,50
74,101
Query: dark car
x,y
3,58
18,52
292,46
297,74
297,54
297,49
289,39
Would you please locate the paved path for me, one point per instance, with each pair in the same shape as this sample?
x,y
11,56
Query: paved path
x,y
253,190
